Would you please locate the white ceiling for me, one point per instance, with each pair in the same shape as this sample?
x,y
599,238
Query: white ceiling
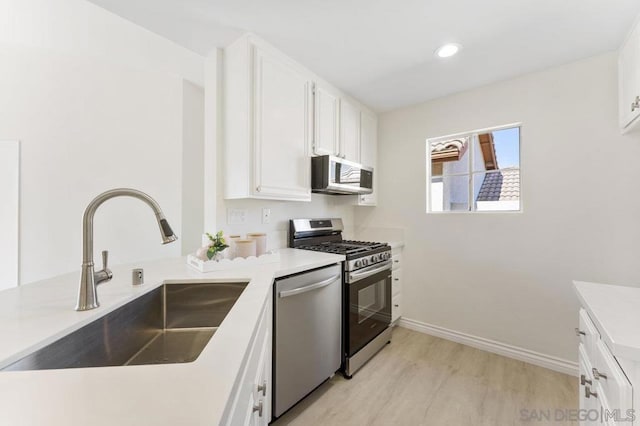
x,y
381,51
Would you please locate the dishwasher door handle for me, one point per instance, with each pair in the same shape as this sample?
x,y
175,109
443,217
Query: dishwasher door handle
x,y
310,287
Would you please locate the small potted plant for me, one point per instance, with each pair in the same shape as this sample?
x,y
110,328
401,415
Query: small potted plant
x,y
216,246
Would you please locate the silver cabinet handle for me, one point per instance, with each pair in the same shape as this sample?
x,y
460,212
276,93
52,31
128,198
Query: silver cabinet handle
x,y
579,333
597,375
396,261
258,188
584,381
396,279
300,290
397,306
263,388
636,104
588,393
258,408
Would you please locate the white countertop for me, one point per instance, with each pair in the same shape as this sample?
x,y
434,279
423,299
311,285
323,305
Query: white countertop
x,y
34,315
615,310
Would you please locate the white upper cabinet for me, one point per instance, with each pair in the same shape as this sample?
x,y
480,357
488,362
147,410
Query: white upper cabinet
x,y
349,131
326,135
282,95
629,81
276,114
267,123
369,154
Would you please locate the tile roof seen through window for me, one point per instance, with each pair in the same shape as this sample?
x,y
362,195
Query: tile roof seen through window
x,y
503,185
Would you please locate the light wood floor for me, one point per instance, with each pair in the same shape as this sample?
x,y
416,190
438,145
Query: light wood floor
x,y
423,380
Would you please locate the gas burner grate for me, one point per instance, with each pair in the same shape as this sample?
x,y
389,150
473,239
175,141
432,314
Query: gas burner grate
x,y
346,247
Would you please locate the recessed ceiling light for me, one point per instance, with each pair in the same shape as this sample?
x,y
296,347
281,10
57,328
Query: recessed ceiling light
x,y
448,50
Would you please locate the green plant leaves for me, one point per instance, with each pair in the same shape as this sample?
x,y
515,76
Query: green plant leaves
x,y
218,244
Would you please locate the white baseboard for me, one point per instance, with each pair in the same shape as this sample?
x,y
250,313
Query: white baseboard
x,y
521,354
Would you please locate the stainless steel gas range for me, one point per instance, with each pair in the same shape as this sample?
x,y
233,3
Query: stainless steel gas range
x,y
366,287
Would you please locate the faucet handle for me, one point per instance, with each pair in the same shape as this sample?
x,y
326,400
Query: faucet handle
x,y
105,274
105,259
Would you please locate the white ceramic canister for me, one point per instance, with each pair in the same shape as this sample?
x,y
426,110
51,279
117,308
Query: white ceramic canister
x,y
245,248
230,252
261,242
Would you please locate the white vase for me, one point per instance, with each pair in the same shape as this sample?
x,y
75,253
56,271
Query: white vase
x,y
261,242
245,248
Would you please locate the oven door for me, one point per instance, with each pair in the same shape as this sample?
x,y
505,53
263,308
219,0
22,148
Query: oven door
x,y
368,305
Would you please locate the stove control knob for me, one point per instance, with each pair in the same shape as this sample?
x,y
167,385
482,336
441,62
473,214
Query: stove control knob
x,y
365,262
358,263
374,258
387,256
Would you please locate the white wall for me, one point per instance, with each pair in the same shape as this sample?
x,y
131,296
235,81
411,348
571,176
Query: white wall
x,y
321,206
82,28
192,166
97,103
507,277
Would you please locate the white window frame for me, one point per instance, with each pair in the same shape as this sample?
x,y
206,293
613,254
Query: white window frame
x,y
470,173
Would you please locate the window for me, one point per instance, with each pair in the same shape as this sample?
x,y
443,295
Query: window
x,y
474,171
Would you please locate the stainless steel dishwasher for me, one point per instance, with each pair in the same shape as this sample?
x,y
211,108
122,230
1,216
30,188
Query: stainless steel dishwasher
x,y
307,334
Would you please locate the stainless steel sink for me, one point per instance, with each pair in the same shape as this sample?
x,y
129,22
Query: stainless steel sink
x,y
171,324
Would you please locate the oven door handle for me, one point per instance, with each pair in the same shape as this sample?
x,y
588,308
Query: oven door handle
x,y
306,288
367,272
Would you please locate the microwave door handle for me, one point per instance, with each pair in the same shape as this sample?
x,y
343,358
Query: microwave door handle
x,y
306,288
367,272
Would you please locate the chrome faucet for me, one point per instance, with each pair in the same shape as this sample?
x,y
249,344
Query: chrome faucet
x,y
89,279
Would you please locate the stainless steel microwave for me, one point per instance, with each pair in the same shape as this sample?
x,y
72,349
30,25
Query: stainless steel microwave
x,y
335,175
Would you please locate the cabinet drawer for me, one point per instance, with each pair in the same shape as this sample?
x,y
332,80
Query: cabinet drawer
x,y
588,333
396,281
397,260
612,381
585,378
396,307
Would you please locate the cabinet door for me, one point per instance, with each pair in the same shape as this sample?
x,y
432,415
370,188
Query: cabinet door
x,y
369,154
262,384
614,385
282,95
629,79
396,281
326,122
349,131
396,307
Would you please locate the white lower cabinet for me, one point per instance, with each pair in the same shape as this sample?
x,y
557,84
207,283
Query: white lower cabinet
x,y
606,396
396,309
252,403
396,286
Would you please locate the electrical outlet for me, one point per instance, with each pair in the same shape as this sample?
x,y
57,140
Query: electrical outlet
x,y
266,215
237,216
